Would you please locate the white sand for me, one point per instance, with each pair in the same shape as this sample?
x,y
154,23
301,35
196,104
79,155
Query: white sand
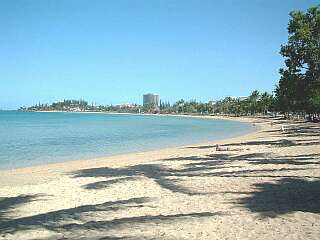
x,y
266,186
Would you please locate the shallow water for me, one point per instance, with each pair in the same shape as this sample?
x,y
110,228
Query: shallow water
x,y
30,138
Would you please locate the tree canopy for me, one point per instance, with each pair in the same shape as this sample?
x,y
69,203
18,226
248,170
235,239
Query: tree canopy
x,y
299,85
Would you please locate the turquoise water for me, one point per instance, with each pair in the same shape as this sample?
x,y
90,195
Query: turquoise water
x,y
30,138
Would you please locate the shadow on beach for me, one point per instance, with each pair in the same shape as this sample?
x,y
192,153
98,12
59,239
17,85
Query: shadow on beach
x,y
8,205
159,173
287,195
311,132
285,185
73,221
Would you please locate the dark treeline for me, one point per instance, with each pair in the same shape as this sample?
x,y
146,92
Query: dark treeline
x,y
81,106
256,103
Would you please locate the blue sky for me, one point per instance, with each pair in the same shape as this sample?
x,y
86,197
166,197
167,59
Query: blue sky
x,y
112,52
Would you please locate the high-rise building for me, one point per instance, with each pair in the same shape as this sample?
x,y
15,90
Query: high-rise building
x,y
151,99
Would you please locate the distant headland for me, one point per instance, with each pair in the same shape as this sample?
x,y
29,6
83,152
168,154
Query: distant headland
x,y
255,103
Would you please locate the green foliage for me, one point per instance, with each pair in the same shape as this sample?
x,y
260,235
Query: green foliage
x,y
299,85
266,103
256,103
252,105
253,99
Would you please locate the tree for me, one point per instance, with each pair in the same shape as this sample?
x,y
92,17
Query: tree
x,y
253,99
299,85
265,102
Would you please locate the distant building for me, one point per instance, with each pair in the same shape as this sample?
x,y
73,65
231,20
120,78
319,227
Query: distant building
x,y
125,105
150,99
241,98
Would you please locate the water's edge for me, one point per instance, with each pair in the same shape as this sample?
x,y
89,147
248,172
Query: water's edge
x,y
155,148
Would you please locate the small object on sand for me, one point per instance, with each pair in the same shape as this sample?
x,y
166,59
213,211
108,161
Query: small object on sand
x,y
218,148
282,128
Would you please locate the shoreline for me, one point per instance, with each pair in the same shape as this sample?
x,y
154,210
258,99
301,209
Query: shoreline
x,y
10,177
259,183
218,117
154,151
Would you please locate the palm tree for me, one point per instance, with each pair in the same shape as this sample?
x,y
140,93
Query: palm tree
x,y
265,102
253,98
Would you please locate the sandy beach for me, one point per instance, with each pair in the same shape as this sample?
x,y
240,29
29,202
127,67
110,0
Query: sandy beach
x,y
264,185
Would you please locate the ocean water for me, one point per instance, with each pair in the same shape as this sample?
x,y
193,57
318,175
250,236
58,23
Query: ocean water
x,y
30,138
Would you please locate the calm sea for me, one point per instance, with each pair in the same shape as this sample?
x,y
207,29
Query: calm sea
x,y
29,138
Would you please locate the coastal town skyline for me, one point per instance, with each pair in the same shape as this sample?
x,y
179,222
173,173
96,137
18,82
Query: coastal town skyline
x,y
108,53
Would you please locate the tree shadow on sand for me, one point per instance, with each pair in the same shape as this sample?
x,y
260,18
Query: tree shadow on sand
x,y
273,143
170,178
51,220
143,236
287,195
86,219
277,143
310,132
301,130
108,183
211,165
159,173
9,205
223,165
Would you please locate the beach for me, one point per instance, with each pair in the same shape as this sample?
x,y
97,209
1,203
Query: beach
x,y
263,185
